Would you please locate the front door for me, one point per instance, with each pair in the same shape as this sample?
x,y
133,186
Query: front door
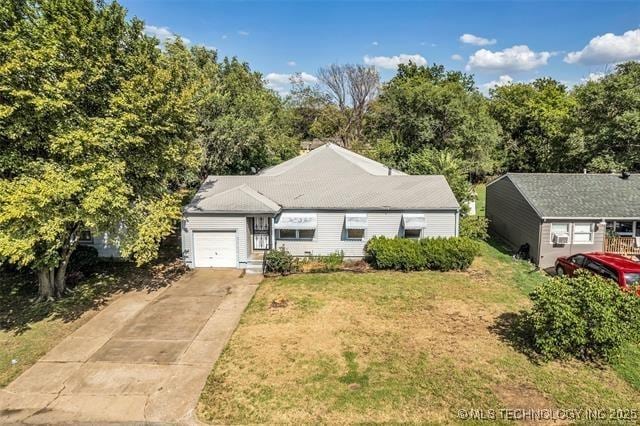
x,y
261,233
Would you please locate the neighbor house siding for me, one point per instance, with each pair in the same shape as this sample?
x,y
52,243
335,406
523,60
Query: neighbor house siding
x,y
211,222
511,217
549,252
106,248
329,236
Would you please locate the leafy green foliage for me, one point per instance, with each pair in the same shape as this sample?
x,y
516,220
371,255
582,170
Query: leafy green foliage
x,y
433,162
536,121
332,261
430,108
97,130
586,316
441,254
280,262
608,117
474,227
242,125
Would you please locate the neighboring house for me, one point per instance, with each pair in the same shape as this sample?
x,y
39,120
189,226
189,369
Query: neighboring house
x,y
327,200
561,214
99,241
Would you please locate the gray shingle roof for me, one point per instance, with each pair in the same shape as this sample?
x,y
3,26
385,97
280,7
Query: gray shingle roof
x,y
560,195
331,177
240,198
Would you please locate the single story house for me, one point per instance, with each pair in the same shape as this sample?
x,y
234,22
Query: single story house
x,y
324,201
559,214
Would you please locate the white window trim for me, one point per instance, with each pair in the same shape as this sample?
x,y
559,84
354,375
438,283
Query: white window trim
x,y
591,233
297,237
551,233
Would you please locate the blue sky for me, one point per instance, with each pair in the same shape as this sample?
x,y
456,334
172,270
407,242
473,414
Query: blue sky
x,y
495,41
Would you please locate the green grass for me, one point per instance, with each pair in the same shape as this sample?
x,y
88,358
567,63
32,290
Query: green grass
x,y
481,202
397,347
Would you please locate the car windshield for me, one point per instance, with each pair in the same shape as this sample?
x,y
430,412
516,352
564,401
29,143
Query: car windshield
x,y
632,278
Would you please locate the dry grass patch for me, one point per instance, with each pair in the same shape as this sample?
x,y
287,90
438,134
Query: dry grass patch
x,y
392,347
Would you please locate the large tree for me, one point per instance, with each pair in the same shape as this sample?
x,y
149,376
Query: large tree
x,y
96,130
242,125
608,119
429,108
352,88
536,120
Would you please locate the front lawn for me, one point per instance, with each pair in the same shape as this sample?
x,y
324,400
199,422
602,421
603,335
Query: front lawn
x,y
402,347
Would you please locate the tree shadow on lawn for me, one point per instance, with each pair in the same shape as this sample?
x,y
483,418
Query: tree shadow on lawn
x,y
513,329
87,290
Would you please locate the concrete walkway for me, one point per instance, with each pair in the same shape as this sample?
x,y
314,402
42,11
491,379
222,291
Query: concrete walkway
x,y
144,358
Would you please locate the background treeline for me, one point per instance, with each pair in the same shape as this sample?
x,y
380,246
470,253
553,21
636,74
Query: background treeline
x,y
106,128
430,120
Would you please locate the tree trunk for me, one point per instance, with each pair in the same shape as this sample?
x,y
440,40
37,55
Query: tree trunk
x,y
46,288
52,281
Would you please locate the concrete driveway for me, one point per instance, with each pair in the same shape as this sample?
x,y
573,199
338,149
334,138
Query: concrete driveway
x,y
144,358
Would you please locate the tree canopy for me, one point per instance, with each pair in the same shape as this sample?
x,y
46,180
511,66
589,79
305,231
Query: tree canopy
x,y
96,127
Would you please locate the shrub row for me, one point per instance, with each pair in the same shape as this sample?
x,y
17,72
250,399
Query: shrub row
x,y
282,262
441,254
585,316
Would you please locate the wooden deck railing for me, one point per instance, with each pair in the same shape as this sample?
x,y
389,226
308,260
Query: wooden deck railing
x,y
621,245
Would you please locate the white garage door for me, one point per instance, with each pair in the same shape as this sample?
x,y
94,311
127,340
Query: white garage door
x,y
214,249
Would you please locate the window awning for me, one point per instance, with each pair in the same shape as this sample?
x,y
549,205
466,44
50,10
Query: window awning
x,y
413,221
290,220
355,221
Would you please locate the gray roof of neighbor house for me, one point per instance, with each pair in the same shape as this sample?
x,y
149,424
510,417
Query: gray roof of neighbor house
x,y
329,177
580,195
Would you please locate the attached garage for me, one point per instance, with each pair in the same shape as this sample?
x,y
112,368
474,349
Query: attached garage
x,y
215,249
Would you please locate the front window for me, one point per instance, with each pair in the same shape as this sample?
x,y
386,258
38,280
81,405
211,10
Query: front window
x,y
559,230
85,236
583,233
355,234
632,278
296,234
412,233
624,229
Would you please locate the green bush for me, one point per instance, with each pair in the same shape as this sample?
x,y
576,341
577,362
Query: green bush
x,y
333,261
474,227
442,254
280,262
585,316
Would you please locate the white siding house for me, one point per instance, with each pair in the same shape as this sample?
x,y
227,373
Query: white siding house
x,y
328,200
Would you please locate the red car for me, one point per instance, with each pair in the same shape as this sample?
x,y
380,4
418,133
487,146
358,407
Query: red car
x,y
613,266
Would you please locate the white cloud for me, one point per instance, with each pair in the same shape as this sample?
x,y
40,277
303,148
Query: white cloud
x,y
243,33
163,34
456,57
608,48
281,83
374,43
593,76
501,81
516,58
224,36
392,62
476,41
292,63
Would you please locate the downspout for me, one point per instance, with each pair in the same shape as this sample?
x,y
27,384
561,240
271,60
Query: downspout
x,y
457,234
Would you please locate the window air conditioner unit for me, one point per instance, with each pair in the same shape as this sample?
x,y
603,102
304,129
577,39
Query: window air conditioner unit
x,y
561,239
